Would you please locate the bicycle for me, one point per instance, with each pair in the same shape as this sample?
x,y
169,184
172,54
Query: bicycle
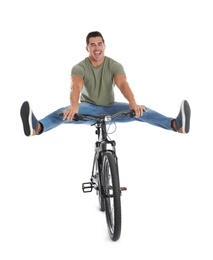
x,y
105,176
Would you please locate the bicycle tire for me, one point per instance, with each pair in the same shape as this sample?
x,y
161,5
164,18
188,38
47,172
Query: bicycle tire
x,y
112,194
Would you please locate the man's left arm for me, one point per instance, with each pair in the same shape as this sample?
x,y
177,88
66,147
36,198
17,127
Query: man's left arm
x,y
122,83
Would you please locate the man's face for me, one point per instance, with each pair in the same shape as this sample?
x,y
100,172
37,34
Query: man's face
x,y
96,48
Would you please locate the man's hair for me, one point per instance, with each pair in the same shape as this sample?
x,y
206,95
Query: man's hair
x,y
94,34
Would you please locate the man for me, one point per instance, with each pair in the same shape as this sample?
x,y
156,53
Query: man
x,y
92,82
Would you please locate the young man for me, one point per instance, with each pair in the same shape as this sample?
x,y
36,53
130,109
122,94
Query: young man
x,y
92,83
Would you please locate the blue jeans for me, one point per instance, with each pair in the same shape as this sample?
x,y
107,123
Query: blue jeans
x,y
151,117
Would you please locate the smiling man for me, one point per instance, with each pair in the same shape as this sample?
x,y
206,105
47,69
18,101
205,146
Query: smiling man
x,y
95,78
92,92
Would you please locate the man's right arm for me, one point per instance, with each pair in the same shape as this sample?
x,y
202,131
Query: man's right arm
x,y
76,84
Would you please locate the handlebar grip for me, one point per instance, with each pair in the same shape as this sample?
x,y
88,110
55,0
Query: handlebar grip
x,y
78,117
132,113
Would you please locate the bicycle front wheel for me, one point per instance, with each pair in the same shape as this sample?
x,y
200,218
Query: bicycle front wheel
x,y
111,188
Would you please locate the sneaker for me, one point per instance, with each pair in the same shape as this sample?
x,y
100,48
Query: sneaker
x,y
30,123
183,118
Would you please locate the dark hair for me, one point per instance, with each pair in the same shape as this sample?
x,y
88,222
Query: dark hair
x,y
93,34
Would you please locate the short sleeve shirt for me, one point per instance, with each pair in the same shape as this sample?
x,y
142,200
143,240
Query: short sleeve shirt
x,y
98,81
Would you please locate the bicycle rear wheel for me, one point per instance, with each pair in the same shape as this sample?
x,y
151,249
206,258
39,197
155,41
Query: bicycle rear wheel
x,y
111,188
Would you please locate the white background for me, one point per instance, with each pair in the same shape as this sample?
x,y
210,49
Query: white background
x,y
166,50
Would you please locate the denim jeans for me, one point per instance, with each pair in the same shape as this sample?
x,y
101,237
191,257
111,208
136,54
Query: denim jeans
x,y
151,117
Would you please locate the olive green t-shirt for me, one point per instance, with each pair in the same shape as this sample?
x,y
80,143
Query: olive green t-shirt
x,y
98,81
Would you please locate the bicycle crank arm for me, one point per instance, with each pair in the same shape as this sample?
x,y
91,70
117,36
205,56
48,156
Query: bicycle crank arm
x,y
123,188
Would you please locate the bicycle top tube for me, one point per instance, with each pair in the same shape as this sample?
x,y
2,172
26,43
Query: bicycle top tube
x,y
104,117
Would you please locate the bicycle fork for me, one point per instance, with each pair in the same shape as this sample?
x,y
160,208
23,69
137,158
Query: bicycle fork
x,y
93,184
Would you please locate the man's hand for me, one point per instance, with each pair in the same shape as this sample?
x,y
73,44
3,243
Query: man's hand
x,y
70,112
138,109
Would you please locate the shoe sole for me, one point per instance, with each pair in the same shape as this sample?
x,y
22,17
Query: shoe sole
x,y
186,114
26,116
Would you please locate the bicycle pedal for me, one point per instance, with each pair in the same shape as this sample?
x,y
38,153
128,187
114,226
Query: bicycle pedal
x,y
87,187
123,188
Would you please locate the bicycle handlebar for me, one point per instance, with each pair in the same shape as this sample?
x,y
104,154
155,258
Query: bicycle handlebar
x,y
106,117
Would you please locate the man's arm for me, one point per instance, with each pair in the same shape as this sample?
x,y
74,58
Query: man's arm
x,y
123,85
76,84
